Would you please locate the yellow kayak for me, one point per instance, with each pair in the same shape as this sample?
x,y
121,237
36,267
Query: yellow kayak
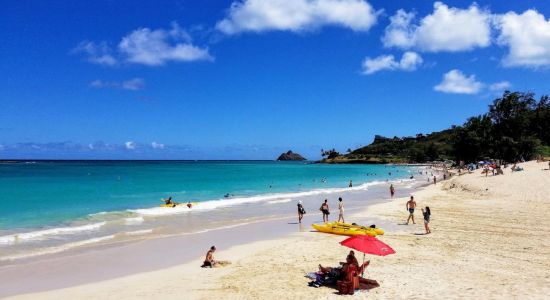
x,y
335,228
379,231
177,204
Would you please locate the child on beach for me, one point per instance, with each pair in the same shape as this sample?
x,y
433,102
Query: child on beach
x,y
341,210
427,215
325,210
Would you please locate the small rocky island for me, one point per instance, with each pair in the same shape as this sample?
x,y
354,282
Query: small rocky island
x,y
289,155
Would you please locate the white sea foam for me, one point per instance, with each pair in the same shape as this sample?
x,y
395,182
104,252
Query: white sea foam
x,y
57,249
279,201
133,221
139,232
40,234
214,204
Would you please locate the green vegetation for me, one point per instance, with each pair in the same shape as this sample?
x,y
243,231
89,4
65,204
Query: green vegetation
x,y
516,127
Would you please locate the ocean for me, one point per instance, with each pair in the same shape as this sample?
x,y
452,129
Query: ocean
x,y
52,206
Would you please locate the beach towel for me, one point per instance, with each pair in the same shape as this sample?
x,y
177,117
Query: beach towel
x,y
311,275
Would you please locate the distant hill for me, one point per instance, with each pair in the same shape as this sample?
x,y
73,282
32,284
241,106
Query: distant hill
x,y
515,128
289,155
422,148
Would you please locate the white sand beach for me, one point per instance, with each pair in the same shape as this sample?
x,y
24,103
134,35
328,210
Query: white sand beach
x,y
490,240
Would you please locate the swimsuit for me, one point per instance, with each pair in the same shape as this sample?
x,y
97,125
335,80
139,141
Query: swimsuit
x,y
426,217
411,211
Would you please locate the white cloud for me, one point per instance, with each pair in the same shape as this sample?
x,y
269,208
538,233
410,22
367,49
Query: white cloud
x,y
147,47
409,62
98,53
296,15
156,47
400,32
456,82
130,145
446,29
132,84
500,86
527,36
156,145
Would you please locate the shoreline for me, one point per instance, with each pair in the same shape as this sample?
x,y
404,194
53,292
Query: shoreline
x,y
139,224
140,256
489,240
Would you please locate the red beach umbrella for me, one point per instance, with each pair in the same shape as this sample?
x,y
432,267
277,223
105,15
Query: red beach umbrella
x,y
368,245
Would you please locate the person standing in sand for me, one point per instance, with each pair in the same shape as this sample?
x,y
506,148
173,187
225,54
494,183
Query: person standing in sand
x,y
426,213
392,190
301,211
325,210
435,180
411,205
341,210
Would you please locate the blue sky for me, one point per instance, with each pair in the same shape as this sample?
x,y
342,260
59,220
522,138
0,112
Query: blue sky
x,y
249,79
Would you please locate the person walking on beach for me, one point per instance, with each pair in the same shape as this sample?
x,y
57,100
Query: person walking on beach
x,y
392,190
411,205
301,211
435,180
325,210
350,184
209,260
341,210
427,215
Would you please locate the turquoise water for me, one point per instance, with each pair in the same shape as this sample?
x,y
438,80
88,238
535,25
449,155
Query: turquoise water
x,y
48,193
52,207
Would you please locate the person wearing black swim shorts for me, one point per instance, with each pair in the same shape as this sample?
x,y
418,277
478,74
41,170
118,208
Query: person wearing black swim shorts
x,y
325,210
411,205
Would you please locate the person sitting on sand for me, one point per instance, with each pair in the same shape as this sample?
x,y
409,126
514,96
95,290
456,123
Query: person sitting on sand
x,y
325,210
337,273
209,261
411,205
427,215
353,258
